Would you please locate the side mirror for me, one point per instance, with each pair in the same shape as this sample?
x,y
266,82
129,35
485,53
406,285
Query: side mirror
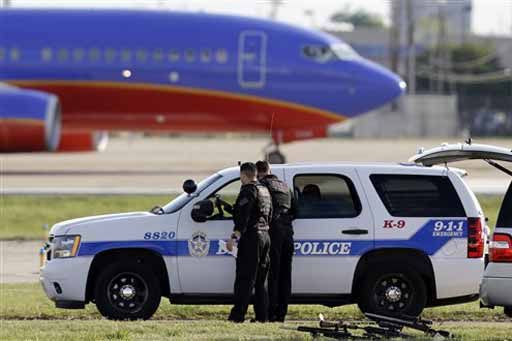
x,y
189,186
202,210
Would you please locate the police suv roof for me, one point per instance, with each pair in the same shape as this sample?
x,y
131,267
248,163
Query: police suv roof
x,y
374,166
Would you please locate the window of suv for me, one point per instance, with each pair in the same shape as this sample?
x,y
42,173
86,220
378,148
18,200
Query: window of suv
x,y
418,195
228,194
325,196
179,202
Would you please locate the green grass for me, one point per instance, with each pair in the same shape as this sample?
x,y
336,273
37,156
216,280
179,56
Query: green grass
x,y
203,330
26,314
148,330
27,301
491,205
24,217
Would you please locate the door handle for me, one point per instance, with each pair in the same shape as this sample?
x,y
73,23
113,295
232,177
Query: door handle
x,y
355,231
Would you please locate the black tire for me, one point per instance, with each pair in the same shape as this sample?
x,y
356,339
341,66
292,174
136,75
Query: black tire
x,y
508,311
392,290
127,291
275,157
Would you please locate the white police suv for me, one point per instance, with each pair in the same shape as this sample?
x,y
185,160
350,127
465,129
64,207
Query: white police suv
x,y
393,238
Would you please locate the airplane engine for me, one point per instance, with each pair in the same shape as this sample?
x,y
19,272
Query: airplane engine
x,y
83,141
30,121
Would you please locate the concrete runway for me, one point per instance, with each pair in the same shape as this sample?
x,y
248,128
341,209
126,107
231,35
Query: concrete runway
x,y
19,261
160,165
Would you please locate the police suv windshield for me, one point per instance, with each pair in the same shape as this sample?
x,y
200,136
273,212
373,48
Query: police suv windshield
x,y
184,198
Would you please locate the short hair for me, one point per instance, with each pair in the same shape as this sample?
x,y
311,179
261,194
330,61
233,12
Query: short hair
x,y
248,168
263,166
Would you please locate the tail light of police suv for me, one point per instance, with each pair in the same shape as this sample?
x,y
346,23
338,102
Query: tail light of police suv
x,y
500,248
476,241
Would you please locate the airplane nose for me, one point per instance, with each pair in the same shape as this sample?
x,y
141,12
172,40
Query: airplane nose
x,y
377,85
386,85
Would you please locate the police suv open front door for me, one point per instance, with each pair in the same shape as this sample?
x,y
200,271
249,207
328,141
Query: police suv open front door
x,y
333,227
205,265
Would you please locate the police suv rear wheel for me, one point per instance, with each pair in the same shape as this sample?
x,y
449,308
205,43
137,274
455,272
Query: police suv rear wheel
x,y
127,291
393,291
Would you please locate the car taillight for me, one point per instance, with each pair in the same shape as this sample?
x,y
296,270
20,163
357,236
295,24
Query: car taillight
x,y
500,248
475,238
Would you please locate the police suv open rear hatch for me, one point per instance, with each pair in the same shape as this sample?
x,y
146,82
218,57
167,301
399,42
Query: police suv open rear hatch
x,y
464,151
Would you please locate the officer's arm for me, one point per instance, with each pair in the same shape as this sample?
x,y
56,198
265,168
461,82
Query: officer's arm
x,y
243,207
227,207
271,213
293,205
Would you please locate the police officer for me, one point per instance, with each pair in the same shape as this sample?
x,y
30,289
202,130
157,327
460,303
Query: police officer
x,y
251,214
281,243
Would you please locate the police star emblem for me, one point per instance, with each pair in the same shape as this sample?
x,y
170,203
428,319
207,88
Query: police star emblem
x,y
198,244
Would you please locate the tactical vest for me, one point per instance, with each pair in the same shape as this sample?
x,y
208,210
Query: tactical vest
x,y
264,204
280,193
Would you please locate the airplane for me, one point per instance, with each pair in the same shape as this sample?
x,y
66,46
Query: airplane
x,y
70,75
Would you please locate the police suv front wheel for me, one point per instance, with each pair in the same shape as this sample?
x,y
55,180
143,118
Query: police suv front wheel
x,y
127,291
393,290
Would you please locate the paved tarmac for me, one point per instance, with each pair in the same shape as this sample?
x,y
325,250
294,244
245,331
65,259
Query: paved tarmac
x,y
19,261
160,165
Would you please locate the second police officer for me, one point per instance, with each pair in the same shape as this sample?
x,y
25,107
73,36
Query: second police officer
x,y
281,243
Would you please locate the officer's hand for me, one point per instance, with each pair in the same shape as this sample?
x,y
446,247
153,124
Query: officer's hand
x,y
230,244
231,241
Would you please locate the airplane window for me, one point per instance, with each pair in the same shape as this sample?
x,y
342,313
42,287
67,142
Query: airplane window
x,y
94,54
78,54
2,53
62,55
126,55
324,53
141,55
15,54
221,56
158,55
174,76
110,54
318,53
344,51
206,55
46,54
173,56
190,55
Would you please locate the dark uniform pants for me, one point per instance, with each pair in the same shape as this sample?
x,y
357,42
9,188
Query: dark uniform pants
x,y
280,275
252,264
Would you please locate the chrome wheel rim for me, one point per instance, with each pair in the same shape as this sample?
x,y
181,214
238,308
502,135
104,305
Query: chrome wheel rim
x,y
393,293
128,292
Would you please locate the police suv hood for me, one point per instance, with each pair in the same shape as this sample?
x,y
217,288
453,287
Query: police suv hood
x,y
67,226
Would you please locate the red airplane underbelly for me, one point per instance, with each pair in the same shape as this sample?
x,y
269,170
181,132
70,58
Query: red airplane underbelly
x,y
143,107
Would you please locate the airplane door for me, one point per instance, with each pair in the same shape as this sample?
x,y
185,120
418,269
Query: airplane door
x,y
252,51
